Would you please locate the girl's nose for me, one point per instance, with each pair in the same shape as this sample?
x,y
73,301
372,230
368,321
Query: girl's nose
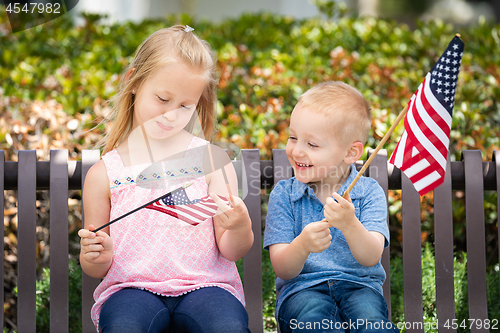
x,y
170,115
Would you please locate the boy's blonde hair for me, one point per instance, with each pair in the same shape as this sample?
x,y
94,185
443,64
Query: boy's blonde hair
x,y
344,105
162,47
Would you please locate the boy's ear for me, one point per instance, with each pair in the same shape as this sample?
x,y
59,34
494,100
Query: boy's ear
x,y
354,152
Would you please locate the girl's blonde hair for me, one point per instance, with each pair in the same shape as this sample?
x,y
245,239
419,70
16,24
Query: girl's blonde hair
x,y
162,47
345,105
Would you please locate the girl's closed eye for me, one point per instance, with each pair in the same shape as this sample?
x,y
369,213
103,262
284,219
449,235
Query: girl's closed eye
x,y
292,138
312,145
161,99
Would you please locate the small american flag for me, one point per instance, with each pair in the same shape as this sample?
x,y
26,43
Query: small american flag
x,y
180,206
422,151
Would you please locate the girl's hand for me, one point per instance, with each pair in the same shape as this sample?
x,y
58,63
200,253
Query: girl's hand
x,y
315,237
228,218
96,248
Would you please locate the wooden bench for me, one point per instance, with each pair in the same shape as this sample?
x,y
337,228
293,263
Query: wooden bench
x,y
58,175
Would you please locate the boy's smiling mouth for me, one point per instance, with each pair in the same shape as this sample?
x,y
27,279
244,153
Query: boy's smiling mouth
x,y
302,165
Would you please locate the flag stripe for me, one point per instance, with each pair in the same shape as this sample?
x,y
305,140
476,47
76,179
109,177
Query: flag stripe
x,y
415,129
426,172
428,130
397,157
427,181
434,117
416,168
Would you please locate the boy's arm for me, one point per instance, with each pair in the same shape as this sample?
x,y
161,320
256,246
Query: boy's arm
x,y
288,259
366,246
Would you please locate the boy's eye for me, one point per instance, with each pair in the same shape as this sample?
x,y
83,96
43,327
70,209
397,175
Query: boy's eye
x,y
312,145
292,138
161,99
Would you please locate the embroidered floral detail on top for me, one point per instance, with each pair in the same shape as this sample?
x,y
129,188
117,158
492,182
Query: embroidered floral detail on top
x,y
155,176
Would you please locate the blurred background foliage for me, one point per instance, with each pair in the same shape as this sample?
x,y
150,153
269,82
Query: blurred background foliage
x,y
56,79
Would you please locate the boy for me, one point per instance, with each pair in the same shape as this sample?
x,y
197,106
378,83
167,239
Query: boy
x,y
325,249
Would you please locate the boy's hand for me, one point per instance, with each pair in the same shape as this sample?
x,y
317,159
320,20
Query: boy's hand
x,y
339,214
231,218
97,248
316,237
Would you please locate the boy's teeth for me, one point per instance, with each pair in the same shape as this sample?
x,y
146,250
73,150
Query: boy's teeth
x,y
302,165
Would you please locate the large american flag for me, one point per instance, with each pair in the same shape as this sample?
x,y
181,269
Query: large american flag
x,y
422,151
180,206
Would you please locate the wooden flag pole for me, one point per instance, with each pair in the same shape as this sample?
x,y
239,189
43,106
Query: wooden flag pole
x,y
379,146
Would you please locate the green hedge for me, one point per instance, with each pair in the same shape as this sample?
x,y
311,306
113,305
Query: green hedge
x,y
266,61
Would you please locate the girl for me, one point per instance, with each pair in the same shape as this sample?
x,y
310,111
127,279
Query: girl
x,y
160,273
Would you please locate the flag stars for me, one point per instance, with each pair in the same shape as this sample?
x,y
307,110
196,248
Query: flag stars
x,y
455,62
447,69
455,54
447,76
439,82
455,46
446,84
446,99
447,91
447,60
438,90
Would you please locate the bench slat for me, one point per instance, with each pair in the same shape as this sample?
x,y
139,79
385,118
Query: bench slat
x,y
2,186
59,283
26,238
89,158
252,263
443,234
281,166
412,265
378,171
475,233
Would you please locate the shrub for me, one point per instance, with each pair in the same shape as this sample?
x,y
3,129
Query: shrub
x,y
75,299
429,290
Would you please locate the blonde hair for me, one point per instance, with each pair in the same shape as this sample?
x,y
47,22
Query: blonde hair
x,y
163,46
345,105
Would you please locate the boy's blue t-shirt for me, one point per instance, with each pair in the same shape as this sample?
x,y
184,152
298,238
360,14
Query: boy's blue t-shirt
x,y
293,205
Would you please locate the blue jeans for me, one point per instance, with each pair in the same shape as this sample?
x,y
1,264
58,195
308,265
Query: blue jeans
x,y
335,306
210,309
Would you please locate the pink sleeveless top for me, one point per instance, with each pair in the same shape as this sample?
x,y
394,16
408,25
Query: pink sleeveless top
x,y
155,251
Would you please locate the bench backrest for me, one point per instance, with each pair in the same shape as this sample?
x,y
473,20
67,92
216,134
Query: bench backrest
x,y
58,175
